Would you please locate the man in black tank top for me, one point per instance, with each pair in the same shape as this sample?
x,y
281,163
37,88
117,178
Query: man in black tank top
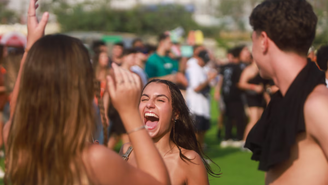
x,y
232,97
290,139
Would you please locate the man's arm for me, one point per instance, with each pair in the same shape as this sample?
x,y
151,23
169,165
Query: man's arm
x,y
194,78
218,87
210,77
316,116
202,86
249,73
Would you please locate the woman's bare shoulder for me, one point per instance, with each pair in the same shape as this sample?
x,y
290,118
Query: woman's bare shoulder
x,y
192,155
194,169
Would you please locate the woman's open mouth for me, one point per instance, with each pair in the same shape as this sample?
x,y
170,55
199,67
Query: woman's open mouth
x,y
151,120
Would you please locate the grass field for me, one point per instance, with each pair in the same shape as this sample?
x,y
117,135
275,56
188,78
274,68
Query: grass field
x,y
236,166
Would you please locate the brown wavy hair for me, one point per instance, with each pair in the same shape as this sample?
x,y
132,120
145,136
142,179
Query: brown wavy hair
x,y
183,132
54,116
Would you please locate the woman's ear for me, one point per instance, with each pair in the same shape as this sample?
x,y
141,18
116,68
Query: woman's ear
x,y
176,115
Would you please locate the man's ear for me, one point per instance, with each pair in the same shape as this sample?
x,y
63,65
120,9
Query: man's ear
x,y
264,42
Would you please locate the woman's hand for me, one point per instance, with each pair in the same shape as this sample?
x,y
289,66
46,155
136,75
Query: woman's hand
x,y
124,90
35,29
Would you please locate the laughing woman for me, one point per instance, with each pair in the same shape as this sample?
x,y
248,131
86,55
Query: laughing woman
x,y
169,124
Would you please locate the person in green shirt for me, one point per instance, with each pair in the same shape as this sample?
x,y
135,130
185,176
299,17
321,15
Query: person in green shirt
x,y
159,65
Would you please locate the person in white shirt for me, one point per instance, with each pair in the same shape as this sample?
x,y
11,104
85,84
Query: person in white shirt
x,y
198,91
322,60
139,67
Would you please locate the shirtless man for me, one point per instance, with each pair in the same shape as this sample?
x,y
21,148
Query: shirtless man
x,y
294,148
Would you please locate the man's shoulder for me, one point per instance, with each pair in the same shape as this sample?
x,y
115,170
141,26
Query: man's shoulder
x,y
231,66
316,105
191,59
169,59
191,62
152,58
319,96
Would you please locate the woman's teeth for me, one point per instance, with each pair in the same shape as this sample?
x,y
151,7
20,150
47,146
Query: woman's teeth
x,y
151,115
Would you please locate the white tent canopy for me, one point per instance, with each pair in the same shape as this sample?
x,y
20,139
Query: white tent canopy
x,y
50,29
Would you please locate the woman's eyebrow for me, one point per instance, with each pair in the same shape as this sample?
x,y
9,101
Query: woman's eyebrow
x,y
163,95
157,96
145,95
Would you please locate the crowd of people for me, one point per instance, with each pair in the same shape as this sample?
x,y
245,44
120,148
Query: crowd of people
x,y
64,109
242,94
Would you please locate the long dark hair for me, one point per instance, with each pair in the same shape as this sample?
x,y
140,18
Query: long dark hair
x,y
183,132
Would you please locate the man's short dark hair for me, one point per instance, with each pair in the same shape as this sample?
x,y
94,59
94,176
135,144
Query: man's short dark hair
x,y
135,41
235,51
129,51
150,48
121,44
97,44
162,37
290,24
229,51
195,47
238,50
322,58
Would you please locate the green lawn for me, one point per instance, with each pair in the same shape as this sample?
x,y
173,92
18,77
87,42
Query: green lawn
x,y
236,166
2,165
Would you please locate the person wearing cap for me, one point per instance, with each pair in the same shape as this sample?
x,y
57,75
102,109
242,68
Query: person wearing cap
x,y
198,92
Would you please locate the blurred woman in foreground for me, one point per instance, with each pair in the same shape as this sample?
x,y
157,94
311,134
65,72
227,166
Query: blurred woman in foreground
x,y
50,132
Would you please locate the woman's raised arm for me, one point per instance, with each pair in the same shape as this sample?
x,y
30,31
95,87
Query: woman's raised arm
x,y
35,30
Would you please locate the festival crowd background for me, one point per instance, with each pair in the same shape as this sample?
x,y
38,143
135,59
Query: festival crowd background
x,y
221,83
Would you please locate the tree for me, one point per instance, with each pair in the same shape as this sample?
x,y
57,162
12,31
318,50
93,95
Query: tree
x,y
320,7
233,9
140,20
7,16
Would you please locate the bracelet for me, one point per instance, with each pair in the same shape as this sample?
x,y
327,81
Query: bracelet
x,y
137,129
26,50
